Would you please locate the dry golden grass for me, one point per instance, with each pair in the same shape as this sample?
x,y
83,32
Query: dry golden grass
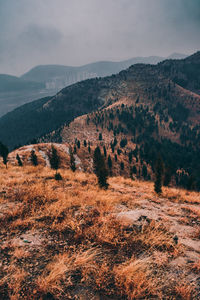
x,y
19,253
15,281
133,278
63,267
57,236
181,196
196,267
186,291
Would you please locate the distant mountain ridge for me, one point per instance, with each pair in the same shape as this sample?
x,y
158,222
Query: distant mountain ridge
x,y
14,84
71,74
149,82
47,80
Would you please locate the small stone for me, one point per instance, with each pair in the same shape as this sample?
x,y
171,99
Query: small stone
x,y
26,241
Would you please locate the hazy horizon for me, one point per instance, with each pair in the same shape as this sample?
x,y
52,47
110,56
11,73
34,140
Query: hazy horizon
x,y
39,32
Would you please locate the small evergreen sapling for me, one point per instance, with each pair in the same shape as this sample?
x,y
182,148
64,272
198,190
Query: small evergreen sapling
x,y
110,164
19,160
4,153
54,159
34,159
72,160
100,168
104,151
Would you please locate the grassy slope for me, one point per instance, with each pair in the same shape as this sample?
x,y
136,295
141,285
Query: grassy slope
x,y
70,240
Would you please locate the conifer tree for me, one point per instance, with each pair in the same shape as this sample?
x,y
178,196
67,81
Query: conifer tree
x,y
130,156
144,171
100,136
4,153
167,176
115,142
54,159
134,170
104,151
112,147
110,164
19,160
78,144
72,160
33,157
158,175
100,168
122,165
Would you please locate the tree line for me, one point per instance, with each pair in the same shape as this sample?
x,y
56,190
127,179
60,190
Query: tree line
x,y
102,169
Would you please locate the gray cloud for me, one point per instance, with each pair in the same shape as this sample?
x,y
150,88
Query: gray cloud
x,y
77,32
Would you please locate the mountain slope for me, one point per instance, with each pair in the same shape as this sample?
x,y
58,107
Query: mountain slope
x,y
141,112
72,240
47,80
152,85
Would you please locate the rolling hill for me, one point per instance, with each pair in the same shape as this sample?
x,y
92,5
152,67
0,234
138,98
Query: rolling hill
x,y
156,107
167,85
47,80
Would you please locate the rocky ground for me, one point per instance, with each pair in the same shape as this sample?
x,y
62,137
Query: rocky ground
x,y
70,240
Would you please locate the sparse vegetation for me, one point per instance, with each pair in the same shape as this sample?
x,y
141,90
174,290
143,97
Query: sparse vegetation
x,y
54,159
72,160
68,237
100,168
19,160
33,158
4,153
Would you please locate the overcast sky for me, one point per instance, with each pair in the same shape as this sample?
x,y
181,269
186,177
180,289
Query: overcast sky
x,y
76,32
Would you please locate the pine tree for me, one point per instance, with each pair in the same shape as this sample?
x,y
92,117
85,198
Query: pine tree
x,y
54,159
110,164
34,158
167,176
104,151
134,170
158,175
78,144
4,153
122,165
130,156
72,160
19,160
115,142
100,168
144,171
100,136
112,147
85,143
